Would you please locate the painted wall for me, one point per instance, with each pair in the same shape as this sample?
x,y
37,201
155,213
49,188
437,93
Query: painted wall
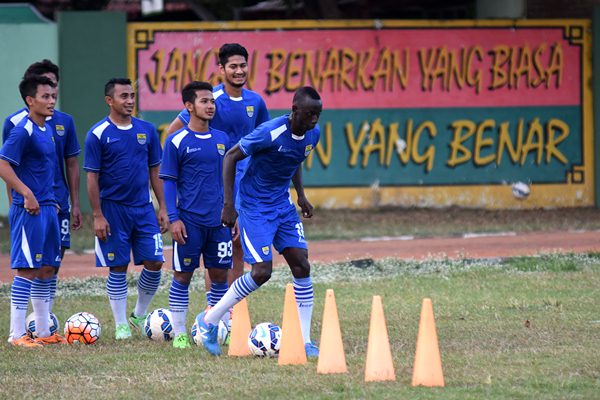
x,y
21,45
415,113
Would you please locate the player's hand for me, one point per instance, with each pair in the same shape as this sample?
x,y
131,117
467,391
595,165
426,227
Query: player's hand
x,y
305,206
235,231
101,227
76,215
178,231
229,215
31,204
163,220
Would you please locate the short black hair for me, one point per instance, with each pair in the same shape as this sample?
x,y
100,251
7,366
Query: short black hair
x,y
29,85
231,49
42,67
109,88
188,93
306,91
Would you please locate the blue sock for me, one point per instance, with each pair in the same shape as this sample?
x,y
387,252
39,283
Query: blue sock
x,y
303,290
217,291
241,288
147,286
179,299
20,293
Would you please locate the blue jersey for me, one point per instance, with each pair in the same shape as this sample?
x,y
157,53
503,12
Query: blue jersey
x,y
275,154
237,116
195,162
31,151
65,139
122,157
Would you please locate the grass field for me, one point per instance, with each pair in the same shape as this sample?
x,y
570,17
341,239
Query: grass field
x,y
525,328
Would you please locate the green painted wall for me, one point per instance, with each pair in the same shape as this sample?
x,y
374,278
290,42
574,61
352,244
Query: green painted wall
x,y
21,45
92,49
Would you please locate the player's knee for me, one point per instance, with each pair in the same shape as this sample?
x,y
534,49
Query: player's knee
x,y
153,265
301,269
261,275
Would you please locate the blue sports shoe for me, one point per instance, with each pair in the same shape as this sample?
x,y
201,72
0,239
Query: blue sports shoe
x,y
209,334
312,351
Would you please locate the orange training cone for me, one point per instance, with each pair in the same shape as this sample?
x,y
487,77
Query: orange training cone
x,y
332,359
292,344
427,370
240,330
379,366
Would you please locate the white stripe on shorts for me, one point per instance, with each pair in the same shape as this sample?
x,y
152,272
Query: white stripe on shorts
x,y
99,252
176,263
251,248
25,248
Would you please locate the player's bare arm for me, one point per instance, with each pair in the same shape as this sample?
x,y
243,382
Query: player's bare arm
x,y
101,226
303,203
73,181
7,173
157,186
229,215
175,125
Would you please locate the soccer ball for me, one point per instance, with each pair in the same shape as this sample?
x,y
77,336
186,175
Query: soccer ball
x,y
521,190
265,339
30,324
158,325
83,328
222,334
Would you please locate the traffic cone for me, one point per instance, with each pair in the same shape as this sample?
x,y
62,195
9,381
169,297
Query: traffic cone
x,y
240,330
292,344
379,365
332,359
427,370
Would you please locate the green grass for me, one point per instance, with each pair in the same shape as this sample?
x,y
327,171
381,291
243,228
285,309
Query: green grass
x,y
523,328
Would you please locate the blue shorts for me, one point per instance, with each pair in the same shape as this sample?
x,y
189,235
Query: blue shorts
x,y
131,228
34,239
64,220
213,244
280,227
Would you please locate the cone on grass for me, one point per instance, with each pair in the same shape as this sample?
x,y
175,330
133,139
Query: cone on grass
x,y
379,365
292,350
427,370
332,359
240,329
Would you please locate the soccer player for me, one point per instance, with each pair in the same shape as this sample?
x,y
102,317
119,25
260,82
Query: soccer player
x,y
192,170
267,215
122,154
66,189
27,165
239,112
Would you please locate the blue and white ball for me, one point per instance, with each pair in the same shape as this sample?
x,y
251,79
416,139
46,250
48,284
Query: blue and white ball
x,y
265,340
30,324
521,190
158,325
222,335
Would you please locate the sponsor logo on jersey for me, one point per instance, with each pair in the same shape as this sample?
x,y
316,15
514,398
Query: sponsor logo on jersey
x,y
250,111
282,149
265,250
38,257
60,130
141,138
221,148
111,256
187,261
307,150
192,150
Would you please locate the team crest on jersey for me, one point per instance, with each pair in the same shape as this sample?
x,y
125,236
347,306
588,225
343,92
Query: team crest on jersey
x,y
307,150
187,261
221,148
111,256
250,111
141,138
265,250
38,257
60,130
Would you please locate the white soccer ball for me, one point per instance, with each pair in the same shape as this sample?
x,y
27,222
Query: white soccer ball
x,y
30,324
158,325
520,190
265,340
222,335
82,327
